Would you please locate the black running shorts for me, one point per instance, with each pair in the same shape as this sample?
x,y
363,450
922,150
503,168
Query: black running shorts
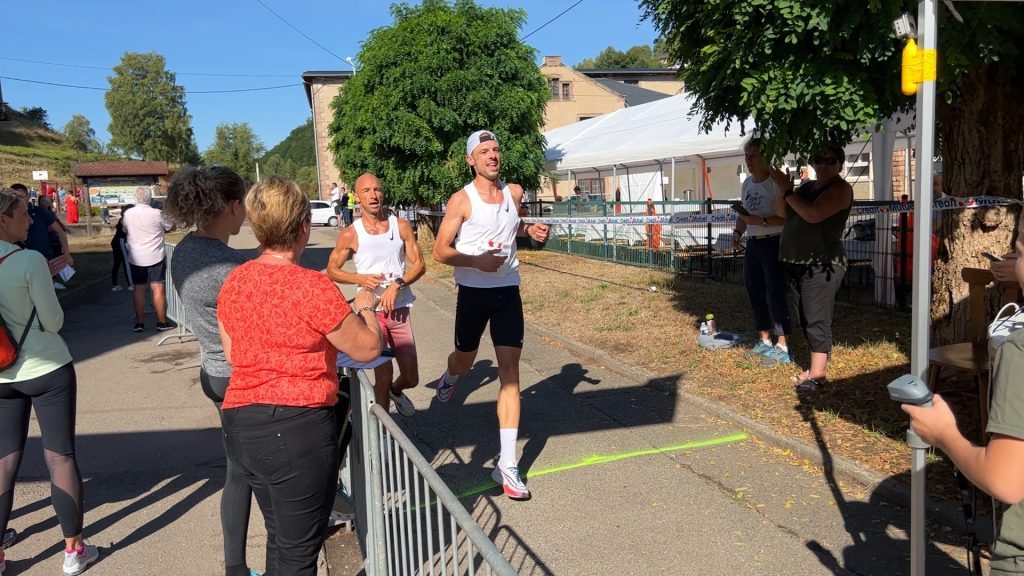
x,y
475,307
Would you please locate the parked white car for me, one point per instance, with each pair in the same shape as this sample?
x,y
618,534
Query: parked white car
x,y
323,213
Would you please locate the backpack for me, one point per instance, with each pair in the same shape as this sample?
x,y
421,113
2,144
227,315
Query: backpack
x,y
8,350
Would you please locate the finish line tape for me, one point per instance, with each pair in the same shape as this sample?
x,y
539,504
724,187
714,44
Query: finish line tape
x,y
727,216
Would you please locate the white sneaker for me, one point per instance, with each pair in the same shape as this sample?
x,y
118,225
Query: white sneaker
x,y
76,562
403,404
116,289
508,478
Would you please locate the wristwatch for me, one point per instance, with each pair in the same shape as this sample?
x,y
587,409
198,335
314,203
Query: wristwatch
x,y
401,283
764,222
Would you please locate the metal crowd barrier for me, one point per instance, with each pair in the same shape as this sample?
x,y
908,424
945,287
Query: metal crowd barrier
x,y
407,519
175,307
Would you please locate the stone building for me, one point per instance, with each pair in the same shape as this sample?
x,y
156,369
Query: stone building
x,y
321,88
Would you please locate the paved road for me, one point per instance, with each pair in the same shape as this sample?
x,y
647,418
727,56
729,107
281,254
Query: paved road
x,y
150,450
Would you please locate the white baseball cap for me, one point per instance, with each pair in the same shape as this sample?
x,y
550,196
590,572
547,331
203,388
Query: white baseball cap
x,y
478,137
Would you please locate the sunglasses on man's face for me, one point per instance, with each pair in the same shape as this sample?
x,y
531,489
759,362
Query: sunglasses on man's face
x,y
824,160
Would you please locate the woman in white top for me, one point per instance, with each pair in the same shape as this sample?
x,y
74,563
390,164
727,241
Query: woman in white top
x,y
43,376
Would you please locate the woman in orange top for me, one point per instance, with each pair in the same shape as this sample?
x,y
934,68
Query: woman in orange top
x,y
281,327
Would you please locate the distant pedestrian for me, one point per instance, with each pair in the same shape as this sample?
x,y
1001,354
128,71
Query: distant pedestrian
x,y
105,213
348,208
119,250
146,227
43,378
44,225
71,207
212,199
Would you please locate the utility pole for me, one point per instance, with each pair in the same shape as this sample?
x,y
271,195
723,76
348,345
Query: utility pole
x,y
3,105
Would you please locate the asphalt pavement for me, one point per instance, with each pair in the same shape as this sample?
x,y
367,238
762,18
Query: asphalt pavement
x,y
629,474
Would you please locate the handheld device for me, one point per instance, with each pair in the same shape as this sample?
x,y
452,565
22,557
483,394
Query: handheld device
x,y
909,389
992,257
739,209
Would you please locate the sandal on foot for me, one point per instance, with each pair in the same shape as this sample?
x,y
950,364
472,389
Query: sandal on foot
x,y
811,385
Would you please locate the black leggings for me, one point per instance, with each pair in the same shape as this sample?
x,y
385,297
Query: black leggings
x,y
54,397
236,499
120,261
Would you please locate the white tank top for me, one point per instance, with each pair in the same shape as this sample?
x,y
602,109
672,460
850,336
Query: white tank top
x,y
382,254
489,227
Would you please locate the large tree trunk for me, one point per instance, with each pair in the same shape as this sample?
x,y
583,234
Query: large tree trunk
x,y
982,131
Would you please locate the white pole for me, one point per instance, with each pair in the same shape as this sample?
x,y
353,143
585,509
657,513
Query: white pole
x,y
257,171
927,16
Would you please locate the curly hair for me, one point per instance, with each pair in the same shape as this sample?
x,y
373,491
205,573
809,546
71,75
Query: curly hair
x,y
277,209
198,195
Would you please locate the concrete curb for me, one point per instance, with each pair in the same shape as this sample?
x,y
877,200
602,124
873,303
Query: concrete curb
x,y
946,513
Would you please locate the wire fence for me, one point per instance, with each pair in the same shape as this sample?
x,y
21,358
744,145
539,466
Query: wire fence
x,y
175,307
878,247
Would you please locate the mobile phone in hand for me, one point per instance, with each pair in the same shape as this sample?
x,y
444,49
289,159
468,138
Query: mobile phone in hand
x,y
739,209
992,257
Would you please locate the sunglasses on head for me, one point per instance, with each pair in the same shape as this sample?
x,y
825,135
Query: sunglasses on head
x,y
824,160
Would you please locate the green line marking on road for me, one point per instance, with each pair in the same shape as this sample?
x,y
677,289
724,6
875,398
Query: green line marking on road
x,y
608,458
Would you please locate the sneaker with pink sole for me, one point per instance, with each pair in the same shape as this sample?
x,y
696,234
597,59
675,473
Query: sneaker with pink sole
x,y
508,478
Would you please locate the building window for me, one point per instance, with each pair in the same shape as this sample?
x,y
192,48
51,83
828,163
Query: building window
x,y
592,188
566,91
858,166
554,84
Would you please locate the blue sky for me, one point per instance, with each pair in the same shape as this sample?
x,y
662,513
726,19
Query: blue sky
x,y
243,37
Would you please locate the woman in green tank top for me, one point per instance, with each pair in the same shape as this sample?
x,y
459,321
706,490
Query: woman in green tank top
x,y
811,249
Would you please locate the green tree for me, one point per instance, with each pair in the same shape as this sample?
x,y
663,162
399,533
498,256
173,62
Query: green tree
x,y
298,146
425,83
277,165
639,56
79,135
802,72
148,116
37,114
237,147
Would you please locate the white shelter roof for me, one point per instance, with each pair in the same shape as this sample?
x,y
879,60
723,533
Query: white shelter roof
x,y
642,134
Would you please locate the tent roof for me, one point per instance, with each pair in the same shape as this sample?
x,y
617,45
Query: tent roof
x,y
641,134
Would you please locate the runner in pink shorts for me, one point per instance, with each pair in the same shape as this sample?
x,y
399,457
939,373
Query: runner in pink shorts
x,y
380,246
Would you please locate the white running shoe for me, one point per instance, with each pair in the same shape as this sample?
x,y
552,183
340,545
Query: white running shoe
x,y
445,388
76,562
403,404
510,482
116,289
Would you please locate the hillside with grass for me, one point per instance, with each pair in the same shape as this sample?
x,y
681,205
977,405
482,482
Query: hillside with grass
x,y
26,145
298,147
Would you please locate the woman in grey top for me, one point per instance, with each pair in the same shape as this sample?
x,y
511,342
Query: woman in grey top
x,y
213,200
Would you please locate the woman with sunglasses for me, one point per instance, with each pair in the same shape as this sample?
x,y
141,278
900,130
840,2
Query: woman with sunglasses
x,y
811,249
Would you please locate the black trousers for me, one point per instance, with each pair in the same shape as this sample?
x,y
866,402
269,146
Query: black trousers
x,y
289,456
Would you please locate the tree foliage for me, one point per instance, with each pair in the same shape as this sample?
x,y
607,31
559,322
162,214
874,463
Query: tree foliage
x,y
440,72
79,135
299,146
148,116
37,114
802,72
303,175
639,56
236,146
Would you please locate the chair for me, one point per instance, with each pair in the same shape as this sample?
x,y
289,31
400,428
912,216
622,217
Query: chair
x,y
972,357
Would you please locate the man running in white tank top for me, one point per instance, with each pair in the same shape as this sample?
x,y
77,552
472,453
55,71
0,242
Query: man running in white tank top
x,y
478,237
379,245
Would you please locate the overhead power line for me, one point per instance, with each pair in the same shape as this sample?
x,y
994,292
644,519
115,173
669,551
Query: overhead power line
x,y
261,88
304,35
539,28
108,69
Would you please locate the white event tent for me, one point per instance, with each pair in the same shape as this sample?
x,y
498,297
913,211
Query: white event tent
x,y
654,150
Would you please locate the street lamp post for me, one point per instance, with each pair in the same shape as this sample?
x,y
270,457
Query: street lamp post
x,y
351,61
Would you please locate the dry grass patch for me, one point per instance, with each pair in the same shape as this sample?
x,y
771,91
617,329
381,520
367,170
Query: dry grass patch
x,y
612,307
